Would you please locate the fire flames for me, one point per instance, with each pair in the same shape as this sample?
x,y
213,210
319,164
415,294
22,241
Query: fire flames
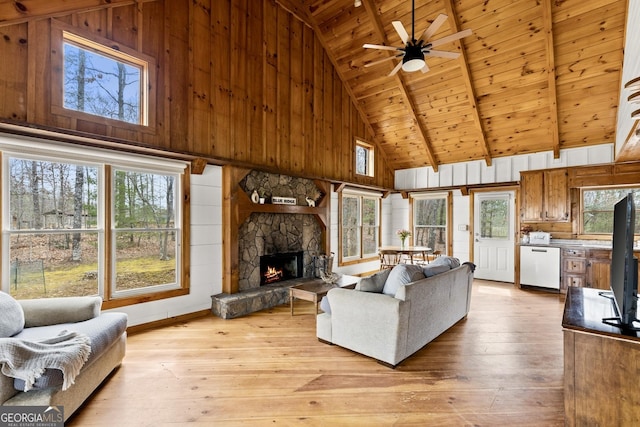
x,y
272,275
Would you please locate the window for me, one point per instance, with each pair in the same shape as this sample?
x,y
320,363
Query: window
x,y
494,217
597,208
100,80
103,82
91,225
430,220
364,158
360,226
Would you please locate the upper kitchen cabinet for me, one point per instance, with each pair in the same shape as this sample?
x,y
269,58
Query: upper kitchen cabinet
x,y
545,196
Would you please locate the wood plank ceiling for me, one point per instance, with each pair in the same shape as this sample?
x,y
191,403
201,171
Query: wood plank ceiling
x,y
535,75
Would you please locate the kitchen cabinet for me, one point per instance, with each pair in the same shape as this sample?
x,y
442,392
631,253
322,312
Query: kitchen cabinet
x,y
574,268
599,269
585,268
544,195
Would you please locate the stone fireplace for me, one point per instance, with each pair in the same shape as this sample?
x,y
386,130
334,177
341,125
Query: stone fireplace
x,y
265,234
280,267
256,232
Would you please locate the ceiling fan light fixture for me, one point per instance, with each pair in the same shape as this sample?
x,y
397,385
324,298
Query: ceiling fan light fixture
x,y
412,65
413,59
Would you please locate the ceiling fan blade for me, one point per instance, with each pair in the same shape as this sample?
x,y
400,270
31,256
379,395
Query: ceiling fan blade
x,y
378,46
401,31
431,29
425,69
442,54
371,64
396,69
452,37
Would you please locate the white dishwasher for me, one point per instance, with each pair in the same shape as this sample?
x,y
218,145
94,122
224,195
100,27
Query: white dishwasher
x,y
540,266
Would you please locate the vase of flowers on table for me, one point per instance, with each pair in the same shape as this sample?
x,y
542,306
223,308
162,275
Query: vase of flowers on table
x,y
403,234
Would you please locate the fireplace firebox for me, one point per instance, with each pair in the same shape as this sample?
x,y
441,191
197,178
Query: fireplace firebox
x,y
281,266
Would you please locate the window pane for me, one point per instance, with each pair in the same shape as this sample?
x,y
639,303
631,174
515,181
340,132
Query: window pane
x,y
143,200
145,259
350,226
430,211
431,237
494,218
369,226
597,212
49,195
350,211
362,157
430,219
369,241
101,85
43,265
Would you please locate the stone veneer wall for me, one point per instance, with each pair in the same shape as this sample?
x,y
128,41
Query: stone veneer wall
x,y
268,234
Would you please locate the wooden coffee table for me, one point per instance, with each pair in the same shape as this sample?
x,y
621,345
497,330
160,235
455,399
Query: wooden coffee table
x,y
315,289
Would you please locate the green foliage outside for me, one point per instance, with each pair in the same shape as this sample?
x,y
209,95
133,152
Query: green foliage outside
x,y
597,213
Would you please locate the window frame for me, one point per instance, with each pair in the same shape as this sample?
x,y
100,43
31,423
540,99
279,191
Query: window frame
x,y
601,236
370,158
105,160
360,195
60,32
448,231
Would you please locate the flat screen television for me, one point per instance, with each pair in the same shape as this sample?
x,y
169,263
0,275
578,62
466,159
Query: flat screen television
x,y
624,267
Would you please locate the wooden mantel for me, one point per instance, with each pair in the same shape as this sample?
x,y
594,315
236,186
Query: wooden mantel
x,y
237,207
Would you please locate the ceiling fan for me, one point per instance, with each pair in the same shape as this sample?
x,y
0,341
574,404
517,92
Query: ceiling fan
x,y
414,50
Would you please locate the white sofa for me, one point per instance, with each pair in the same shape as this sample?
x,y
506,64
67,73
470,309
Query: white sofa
x,y
38,319
391,325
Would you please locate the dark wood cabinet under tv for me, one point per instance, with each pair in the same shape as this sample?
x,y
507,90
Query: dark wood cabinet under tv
x,y
600,373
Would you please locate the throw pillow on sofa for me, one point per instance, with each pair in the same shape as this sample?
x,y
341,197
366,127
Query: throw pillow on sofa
x,y
11,316
430,270
373,283
446,260
400,275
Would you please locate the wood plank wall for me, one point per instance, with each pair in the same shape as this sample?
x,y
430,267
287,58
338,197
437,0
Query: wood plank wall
x,y
237,82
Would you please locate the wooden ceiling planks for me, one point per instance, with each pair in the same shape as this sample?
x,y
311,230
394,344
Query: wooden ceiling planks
x,y
520,86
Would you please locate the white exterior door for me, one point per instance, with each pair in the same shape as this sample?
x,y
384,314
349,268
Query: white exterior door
x,y
494,245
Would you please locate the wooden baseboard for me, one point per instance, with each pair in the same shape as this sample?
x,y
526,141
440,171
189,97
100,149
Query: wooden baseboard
x,y
168,321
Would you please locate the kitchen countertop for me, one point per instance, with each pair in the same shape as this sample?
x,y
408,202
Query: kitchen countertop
x,y
586,244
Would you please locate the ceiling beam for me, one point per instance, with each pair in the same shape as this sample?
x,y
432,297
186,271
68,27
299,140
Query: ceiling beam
x,y
297,9
411,106
547,19
468,82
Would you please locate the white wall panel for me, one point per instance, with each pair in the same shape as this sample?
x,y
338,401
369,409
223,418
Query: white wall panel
x,y
502,166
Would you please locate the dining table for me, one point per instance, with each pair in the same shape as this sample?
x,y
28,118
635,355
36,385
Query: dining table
x,y
396,252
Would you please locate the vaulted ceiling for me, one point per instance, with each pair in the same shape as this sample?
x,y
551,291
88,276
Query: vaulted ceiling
x,y
535,75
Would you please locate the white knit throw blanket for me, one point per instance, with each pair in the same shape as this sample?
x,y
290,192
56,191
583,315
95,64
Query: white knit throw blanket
x,y
27,360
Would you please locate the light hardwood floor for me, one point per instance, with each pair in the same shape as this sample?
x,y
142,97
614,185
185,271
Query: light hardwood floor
x,y
502,366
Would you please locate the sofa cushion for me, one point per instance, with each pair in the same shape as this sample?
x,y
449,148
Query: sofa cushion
x,y
11,316
373,283
446,260
430,270
103,331
400,275
324,305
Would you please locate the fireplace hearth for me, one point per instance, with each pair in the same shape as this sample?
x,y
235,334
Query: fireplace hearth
x,y
280,267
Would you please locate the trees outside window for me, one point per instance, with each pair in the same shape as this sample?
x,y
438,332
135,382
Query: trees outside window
x,y
360,226
57,214
364,158
597,208
430,221
102,82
